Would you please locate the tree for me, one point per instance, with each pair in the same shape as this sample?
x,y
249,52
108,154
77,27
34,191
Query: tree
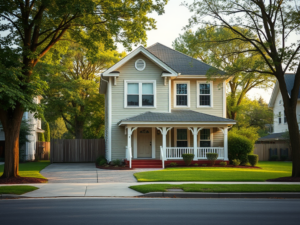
x,y
25,130
41,137
35,26
47,132
73,92
57,129
273,23
205,45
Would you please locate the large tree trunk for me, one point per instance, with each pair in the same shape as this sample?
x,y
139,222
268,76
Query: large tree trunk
x,y
11,121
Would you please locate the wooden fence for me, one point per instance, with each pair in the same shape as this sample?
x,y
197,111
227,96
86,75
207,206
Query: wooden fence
x,y
263,150
43,150
76,150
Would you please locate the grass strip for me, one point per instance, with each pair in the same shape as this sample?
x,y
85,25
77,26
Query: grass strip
x,y
17,190
218,187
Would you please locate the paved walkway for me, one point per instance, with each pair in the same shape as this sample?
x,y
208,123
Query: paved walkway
x,y
87,173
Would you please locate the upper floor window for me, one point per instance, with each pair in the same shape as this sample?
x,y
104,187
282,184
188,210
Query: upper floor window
x,y
182,89
279,117
140,93
204,94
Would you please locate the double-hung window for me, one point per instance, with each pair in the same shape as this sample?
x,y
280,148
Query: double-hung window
x,y
205,138
279,117
140,93
204,94
182,89
284,117
182,138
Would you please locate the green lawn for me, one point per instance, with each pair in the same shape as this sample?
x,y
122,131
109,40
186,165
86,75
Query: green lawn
x,y
17,190
269,170
218,187
30,169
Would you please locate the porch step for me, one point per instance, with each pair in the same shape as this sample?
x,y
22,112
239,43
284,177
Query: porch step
x,y
144,163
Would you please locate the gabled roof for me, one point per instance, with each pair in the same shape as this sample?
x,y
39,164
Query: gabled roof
x,y
181,63
186,116
289,80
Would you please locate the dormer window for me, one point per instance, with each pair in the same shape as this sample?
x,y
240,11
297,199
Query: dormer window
x,y
140,64
204,94
182,90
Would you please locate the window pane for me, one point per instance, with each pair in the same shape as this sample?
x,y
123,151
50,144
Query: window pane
x,y
147,89
181,100
204,100
133,88
205,89
181,89
205,134
147,100
132,100
181,134
182,144
204,143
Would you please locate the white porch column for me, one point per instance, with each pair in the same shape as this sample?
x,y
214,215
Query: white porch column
x,y
195,131
130,130
164,131
225,143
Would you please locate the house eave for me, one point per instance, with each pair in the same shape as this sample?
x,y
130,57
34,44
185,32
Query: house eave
x,y
143,123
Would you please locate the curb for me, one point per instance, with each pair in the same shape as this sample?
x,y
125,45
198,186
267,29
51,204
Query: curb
x,y
9,196
223,195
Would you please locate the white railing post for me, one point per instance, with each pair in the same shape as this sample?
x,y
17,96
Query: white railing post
x,y
162,157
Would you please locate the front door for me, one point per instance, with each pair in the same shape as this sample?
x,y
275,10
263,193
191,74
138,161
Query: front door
x,y
144,143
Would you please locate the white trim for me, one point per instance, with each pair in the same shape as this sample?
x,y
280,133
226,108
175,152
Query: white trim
x,y
175,93
140,82
177,123
153,142
134,53
109,120
170,96
135,143
136,64
211,94
188,136
224,100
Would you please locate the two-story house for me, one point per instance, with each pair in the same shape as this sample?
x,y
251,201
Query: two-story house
x,y
159,105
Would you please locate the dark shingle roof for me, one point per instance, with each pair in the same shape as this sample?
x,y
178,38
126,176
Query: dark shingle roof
x,y
289,80
176,116
274,136
180,62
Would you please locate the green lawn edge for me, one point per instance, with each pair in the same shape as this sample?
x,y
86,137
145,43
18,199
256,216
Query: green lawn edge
x,y
16,190
218,187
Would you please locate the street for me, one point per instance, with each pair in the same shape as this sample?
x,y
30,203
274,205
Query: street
x,y
149,211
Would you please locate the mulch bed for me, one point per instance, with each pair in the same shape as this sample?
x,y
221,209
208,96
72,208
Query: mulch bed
x,y
114,168
286,179
245,167
22,180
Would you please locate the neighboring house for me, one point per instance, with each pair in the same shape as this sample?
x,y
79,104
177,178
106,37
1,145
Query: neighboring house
x,y
160,104
277,142
28,151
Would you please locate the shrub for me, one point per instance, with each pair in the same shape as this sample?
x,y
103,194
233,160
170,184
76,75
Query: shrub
x,y
283,158
223,163
253,159
274,158
239,147
117,162
102,162
196,164
173,164
204,164
236,162
99,159
188,158
212,157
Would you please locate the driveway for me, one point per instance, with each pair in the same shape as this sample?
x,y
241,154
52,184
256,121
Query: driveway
x,y
87,173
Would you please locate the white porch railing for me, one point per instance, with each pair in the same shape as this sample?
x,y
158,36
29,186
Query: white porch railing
x,y
176,152
129,155
162,157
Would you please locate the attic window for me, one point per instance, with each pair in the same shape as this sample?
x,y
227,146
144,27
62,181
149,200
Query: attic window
x,y
140,64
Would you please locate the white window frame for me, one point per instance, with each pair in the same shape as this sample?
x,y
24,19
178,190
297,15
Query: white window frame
x,y
198,94
136,64
279,118
188,136
188,94
211,137
140,82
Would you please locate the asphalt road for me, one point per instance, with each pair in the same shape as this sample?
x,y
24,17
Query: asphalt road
x,y
149,211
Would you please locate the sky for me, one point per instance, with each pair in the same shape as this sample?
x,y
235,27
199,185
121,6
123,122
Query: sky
x,y
171,24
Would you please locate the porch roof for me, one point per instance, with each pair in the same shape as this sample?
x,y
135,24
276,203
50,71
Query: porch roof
x,y
176,116
274,137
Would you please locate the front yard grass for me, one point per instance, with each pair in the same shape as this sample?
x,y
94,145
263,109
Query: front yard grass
x,y
218,187
17,190
269,170
30,169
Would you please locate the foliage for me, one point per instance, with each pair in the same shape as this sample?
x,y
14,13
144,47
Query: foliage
x,y
205,45
274,158
236,162
204,164
17,190
41,137
173,164
188,158
248,132
223,163
116,162
239,147
101,157
212,157
102,162
253,159
58,129
283,157
25,130
47,132
196,164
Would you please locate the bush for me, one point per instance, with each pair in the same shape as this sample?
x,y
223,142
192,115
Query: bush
x,y
253,159
188,158
283,158
102,162
204,164
173,164
212,157
99,159
223,163
274,158
236,162
239,147
196,164
117,162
